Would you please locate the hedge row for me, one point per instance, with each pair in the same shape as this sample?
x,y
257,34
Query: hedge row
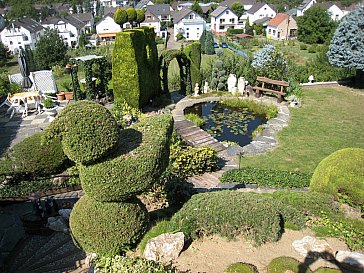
x,y
193,53
251,175
87,129
140,159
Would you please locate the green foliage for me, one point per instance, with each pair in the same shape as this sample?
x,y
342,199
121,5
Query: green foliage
x,y
179,36
141,158
31,158
258,28
268,111
294,89
315,26
341,172
218,77
240,66
283,264
132,15
120,17
50,51
193,53
258,131
251,175
191,161
108,227
209,43
4,84
196,8
117,264
140,16
135,69
48,103
303,47
195,119
4,54
88,131
241,268
22,8
203,41
237,8
232,213
327,270
233,31
125,114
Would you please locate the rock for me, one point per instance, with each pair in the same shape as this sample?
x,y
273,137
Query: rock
x,y
351,212
313,248
61,179
57,224
165,247
354,259
65,213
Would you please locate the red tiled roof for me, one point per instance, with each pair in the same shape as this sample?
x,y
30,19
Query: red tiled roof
x,y
279,18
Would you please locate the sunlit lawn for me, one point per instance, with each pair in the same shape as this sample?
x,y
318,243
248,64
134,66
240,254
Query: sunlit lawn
x,y
330,119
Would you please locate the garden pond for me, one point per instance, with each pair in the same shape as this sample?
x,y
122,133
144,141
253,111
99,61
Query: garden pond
x,y
227,123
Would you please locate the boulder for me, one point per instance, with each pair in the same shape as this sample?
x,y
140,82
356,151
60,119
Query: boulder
x,y
57,224
353,259
165,247
311,247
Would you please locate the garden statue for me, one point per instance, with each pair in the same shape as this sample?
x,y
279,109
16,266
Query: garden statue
x,y
310,79
234,90
231,82
197,89
241,85
206,88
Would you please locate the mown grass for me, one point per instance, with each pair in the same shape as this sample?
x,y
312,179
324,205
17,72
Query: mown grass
x,y
330,119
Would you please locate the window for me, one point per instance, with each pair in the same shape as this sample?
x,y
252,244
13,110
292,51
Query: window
x,y
269,31
149,17
222,21
198,28
11,42
222,27
232,20
227,12
19,43
187,35
274,32
187,28
191,16
25,38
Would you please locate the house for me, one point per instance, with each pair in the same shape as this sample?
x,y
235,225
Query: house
x,y
21,33
264,21
305,5
109,3
189,23
106,28
223,18
258,11
87,19
282,26
152,20
68,27
143,4
162,11
335,11
247,4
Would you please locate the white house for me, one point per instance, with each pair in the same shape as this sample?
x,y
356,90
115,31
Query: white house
x,y
143,4
305,5
258,11
106,28
335,12
162,11
282,26
223,18
189,23
109,3
86,18
21,33
152,20
247,4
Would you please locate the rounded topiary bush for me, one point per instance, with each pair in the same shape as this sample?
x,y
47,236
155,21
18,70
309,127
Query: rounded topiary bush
x,y
31,157
283,264
241,268
87,129
140,160
107,227
341,172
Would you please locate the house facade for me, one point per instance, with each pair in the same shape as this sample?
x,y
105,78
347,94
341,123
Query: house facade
x,y
258,11
223,18
282,27
106,28
162,11
189,24
152,20
21,33
306,4
335,12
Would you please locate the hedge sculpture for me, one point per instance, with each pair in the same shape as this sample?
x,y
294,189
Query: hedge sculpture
x,y
193,53
109,218
135,69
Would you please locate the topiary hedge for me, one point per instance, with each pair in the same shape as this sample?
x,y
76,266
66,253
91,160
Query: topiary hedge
x,y
31,158
193,53
251,175
327,270
342,172
141,158
87,129
284,264
241,268
107,227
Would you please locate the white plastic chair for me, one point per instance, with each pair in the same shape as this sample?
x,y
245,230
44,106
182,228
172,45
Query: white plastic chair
x,y
16,107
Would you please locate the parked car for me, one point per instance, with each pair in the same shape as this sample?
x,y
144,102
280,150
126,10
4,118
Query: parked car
x,y
216,45
224,45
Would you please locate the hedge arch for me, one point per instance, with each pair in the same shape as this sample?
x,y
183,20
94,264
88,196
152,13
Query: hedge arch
x,y
184,70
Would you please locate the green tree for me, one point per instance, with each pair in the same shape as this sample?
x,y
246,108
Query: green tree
x,y
209,43
248,28
347,45
50,51
315,26
82,40
132,15
22,8
140,16
237,8
202,41
258,28
197,8
120,17
4,54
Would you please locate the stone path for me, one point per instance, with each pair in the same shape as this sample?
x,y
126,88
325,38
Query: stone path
x,y
196,137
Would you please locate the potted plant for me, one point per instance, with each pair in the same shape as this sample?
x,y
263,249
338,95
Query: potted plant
x,y
68,90
50,108
61,96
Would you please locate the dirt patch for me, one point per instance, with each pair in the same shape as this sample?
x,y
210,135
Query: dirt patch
x,y
214,254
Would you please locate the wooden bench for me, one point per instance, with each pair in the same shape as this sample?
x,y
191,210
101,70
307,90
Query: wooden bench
x,y
279,84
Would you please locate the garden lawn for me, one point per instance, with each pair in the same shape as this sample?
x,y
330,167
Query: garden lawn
x,y
330,119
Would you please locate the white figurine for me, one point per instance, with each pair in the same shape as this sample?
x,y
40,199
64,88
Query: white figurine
x,y
241,85
197,90
231,82
311,79
206,87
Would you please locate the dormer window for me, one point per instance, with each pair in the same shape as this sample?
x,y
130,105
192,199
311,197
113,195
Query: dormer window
x,y
227,12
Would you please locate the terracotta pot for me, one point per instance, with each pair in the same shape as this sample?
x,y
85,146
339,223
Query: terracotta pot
x,y
61,96
68,95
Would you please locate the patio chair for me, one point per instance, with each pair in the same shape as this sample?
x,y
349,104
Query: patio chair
x,y
16,107
32,103
6,102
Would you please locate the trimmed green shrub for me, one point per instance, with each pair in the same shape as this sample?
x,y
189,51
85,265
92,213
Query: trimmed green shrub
x,y
87,129
108,227
251,175
193,53
327,270
268,111
141,157
195,119
241,268
30,157
283,264
229,214
131,265
341,172
191,161
303,47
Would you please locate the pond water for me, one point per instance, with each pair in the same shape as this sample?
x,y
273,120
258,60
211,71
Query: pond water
x,y
226,123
